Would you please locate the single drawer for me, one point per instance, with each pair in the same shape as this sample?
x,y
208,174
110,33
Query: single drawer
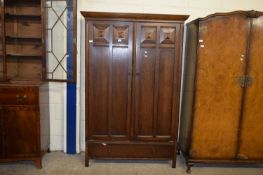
x,y
19,95
130,151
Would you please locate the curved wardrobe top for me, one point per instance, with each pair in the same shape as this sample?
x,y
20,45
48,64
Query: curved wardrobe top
x,y
134,16
251,14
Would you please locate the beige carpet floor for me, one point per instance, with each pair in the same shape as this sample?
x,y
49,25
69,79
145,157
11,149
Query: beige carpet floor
x,y
57,163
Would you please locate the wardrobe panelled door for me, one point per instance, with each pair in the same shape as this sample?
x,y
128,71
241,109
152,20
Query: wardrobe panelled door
x,y
155,81
221,118
109,70
133,64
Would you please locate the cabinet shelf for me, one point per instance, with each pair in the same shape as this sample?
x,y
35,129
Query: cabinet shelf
x,y
23,16
21,55
13,39
13,3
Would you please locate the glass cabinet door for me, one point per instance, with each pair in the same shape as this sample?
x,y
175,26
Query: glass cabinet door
x,y
60,40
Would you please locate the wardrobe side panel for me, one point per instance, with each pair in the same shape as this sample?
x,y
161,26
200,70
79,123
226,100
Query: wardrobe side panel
x,y
188,85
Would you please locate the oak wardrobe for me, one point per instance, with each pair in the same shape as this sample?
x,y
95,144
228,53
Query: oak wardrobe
x,y
133,70
221,118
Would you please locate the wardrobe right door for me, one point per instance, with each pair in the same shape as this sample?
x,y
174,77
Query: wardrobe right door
x,y
156,81
251,146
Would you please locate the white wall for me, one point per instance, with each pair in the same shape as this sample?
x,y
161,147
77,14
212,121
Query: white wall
x,y
194,8
57,114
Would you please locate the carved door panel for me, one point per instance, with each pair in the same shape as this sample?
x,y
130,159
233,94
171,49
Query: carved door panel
x,y
218,94
155,76
109,79
251,142
21,128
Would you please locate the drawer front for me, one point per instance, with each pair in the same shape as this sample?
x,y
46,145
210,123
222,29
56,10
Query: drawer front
x,y
19,95
130,151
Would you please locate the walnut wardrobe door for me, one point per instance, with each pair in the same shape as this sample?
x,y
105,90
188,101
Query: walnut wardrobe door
x,y
251,142
218,95
109,67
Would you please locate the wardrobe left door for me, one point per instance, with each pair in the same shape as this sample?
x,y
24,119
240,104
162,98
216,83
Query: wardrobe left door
x,y
218,87
108,80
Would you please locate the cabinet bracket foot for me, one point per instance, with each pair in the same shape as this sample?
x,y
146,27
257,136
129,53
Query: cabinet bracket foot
x,y
38,163
189,166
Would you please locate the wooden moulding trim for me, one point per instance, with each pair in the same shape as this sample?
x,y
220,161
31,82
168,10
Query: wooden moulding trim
x,y
251,14
7,160
21,83
130,142
224,161
134,16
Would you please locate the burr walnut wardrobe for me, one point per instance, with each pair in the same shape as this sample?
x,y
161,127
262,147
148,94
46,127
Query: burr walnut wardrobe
x,y
221,118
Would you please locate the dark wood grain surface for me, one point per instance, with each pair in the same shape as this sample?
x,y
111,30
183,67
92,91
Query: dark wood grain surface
x,y
20,124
